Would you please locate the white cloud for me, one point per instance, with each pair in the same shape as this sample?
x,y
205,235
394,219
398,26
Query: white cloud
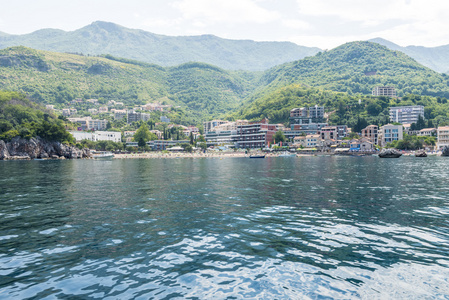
x,y
296,24
405,22
229,11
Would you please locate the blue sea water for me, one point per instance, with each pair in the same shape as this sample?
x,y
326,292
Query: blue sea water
x,y
232,228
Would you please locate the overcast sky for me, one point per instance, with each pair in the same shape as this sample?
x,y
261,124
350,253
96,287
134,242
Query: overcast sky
x,y
320,23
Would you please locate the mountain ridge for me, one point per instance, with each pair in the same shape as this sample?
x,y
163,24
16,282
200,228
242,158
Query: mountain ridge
x,y
110,38
435,58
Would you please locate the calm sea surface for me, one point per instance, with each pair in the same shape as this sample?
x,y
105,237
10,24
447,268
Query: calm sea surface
x,y
274,228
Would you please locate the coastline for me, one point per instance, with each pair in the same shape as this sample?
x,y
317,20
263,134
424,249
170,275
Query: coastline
x,y
160,155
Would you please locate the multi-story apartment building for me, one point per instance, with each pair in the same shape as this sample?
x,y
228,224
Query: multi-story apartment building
x,y
329,133
220,137
371,132
88,123
427,132
208,126
337,132
134,116
389,133
443,137
120,114
307,115
254,135
388,91
303,129
406,114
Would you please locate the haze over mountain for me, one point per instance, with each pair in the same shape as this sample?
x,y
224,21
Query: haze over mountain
x,y
436,58
109,38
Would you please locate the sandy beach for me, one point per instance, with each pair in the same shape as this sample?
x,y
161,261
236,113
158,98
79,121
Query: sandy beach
x,y
160,154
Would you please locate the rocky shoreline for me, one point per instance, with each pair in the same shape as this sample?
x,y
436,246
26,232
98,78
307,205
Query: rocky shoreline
x,y
37,148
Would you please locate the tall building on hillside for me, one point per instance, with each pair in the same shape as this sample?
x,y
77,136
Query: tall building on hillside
x,y
134,116
387,91
406,114
307,115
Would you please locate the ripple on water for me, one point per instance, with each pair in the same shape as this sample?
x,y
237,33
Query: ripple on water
x,y
310,228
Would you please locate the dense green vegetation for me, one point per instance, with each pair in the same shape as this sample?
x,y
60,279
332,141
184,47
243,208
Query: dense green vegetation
x,y
200,90
336,79
108,38
356,68
413,142
21,117
355,111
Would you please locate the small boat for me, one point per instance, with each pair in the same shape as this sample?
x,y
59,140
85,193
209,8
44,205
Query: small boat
x,y
102,155
286,154
257,156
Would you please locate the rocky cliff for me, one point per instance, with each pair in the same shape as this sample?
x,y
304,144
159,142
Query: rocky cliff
x,y
20,148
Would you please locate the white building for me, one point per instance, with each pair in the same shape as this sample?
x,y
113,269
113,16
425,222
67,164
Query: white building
x,y
88,123
443,137
406,114
389,133
97,136
387,91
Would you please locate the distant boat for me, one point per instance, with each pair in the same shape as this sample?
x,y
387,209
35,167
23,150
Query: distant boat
x,y
102,155
257,156
286,154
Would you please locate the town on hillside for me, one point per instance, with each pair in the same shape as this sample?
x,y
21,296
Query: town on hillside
x,y
308,129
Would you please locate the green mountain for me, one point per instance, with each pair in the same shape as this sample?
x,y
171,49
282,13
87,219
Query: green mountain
x,y
356,68
435,58
109,38
200,90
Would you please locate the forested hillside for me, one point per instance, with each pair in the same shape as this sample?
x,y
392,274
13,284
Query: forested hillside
x,y
55,78
19,116
109,38
357,68
200,91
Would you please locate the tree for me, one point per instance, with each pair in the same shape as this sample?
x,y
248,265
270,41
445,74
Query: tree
x,y
201,139
279,137
191,138
142,135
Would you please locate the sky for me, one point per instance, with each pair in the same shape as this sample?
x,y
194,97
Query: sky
x,y
315,23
